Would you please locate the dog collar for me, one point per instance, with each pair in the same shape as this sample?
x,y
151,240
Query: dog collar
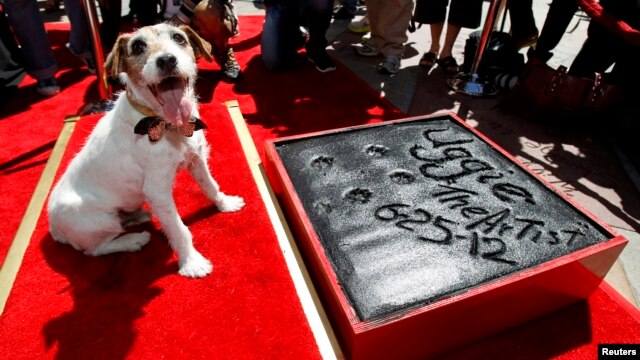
x,y
139,107
154,126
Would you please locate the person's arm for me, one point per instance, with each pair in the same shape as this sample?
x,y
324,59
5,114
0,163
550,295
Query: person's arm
x,y
610,22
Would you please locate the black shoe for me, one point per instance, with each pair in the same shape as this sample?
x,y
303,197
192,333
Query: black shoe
x,y
343,14
230,66
321,59
48,87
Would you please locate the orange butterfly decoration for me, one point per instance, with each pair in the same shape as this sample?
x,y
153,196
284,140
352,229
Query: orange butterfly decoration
x,y
154,127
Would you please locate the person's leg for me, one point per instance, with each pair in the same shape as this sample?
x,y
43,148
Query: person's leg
x,y
392,22
279,34
79,41
316,14
597,53
11,62
462,13
445,58
449,40
523,24
110,27
432,12
376,24
214,22
28,28
394,17
558,18
626,71
436,34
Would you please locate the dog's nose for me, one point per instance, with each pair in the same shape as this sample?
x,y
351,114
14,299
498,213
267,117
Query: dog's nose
x,y
167,62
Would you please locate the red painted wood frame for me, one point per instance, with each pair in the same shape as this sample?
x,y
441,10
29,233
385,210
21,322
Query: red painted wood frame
x,y
452,322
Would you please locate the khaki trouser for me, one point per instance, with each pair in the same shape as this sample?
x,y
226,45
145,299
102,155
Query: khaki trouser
x,y
389,21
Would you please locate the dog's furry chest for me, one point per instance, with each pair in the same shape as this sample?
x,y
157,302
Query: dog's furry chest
x,y
117,163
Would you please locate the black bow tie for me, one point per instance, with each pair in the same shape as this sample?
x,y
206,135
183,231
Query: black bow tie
x,y
154,127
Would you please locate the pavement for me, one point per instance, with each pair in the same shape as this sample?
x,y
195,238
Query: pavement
x,y
582,161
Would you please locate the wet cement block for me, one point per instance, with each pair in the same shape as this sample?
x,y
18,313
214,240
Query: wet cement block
x,y
410,213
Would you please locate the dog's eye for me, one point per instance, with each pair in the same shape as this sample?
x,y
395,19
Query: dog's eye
x,y
179,39
138,47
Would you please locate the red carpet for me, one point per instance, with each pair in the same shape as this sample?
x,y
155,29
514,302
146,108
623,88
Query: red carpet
x,y
137,306
571,333
68,306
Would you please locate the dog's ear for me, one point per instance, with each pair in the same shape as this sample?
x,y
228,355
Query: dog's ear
x,y
116,63
201,47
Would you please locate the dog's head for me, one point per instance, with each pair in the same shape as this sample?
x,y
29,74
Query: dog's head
x,y
158,66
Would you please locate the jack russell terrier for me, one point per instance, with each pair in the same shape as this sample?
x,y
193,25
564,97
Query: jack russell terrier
x,y
133,154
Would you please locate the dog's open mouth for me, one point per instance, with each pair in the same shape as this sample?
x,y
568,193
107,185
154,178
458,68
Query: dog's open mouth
x,y
171,94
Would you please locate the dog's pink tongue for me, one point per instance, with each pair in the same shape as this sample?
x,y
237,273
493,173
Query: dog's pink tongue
x,y
176,107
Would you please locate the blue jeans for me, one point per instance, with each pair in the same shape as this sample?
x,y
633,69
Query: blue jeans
x,y
281,37
28,28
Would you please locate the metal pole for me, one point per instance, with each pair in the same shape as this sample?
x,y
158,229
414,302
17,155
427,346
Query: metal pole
x,y
486,34
92,20
471,84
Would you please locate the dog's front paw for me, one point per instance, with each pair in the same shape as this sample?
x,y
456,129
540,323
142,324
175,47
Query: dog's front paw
x,y
229,203
196,266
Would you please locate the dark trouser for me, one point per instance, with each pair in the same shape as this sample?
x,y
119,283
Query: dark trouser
x,y
555,25
600,51
145,11
110,27
11,70
523,23
281,37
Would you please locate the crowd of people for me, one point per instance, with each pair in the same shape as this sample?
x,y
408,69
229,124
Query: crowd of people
x,y
291,25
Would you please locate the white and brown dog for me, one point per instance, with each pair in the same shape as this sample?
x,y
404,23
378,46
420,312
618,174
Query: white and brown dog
x,y
133,154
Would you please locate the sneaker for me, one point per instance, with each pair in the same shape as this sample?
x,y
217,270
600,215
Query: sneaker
x,y
91,65
321,59
361,26
367,49
48,87
229,65
390,65
343,14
